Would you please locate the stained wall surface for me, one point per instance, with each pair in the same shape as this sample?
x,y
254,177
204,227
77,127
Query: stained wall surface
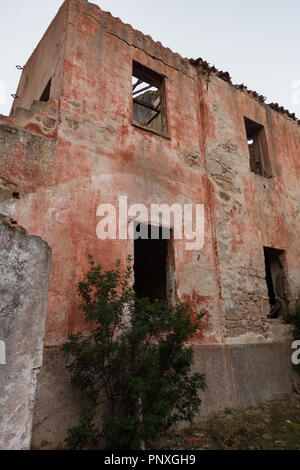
x,y
24,280
80,149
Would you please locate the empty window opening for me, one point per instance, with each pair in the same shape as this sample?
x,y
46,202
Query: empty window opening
x,y
153,265
148,99
258,150
276,281
46,93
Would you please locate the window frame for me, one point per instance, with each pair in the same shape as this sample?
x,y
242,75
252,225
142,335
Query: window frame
x,y
158,80
257,133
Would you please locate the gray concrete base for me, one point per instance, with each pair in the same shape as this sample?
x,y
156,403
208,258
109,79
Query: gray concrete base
x,y
57,405
238,376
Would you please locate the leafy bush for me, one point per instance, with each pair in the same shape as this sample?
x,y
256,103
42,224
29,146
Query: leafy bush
x,y
135,364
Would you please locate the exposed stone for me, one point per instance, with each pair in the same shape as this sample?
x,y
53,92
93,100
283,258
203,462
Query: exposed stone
x,y
66,156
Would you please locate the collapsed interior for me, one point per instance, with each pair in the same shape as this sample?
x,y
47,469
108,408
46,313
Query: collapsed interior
x,y
147,96
276,281
258,153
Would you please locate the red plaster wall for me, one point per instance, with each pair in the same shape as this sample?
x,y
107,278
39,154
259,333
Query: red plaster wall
x,y
256,211
99,155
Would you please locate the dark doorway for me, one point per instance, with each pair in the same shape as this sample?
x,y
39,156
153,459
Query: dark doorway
x,y
150,265
276,281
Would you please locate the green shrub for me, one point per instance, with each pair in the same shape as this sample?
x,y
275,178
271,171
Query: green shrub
x,y
135,364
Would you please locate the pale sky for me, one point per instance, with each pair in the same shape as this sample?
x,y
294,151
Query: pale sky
x,y
257,42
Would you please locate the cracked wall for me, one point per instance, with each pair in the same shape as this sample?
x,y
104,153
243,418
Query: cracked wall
x,y
80,149
89,152
25,269
251,211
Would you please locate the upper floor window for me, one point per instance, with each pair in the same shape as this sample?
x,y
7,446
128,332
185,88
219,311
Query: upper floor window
x,y
258,148
148,95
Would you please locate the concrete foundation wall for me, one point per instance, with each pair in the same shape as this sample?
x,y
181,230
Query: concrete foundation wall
x,y
238,376
24,279
57,406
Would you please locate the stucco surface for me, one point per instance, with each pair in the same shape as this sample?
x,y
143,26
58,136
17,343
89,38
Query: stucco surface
x,y
66,157
24,280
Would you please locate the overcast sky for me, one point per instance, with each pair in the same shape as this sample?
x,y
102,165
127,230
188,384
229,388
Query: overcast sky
x,y
256,41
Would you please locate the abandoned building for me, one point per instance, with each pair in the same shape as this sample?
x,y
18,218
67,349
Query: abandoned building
x,y
102,110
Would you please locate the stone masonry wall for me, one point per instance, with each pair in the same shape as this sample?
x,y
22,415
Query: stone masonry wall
x,y
93,154
65,157
251,211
